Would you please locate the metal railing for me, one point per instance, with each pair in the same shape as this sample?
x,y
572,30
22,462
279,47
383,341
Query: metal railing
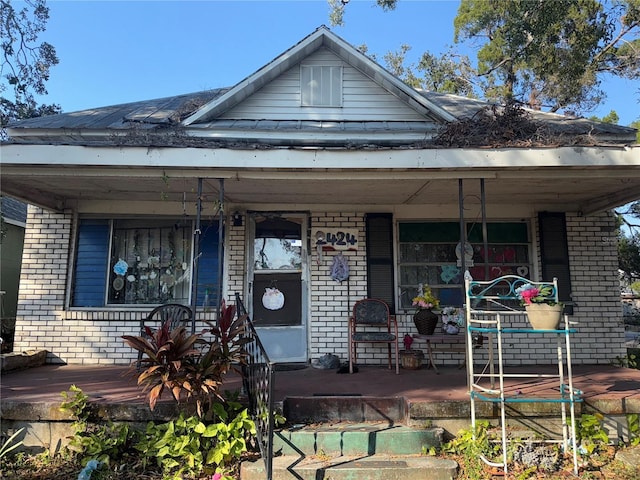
x,y
258,380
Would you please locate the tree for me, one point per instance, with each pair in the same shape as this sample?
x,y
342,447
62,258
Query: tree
x,y
612,118
449,73
629,240
636,125
25,64
545,54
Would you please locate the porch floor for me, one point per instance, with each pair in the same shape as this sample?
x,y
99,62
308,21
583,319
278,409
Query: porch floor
x,y
117,384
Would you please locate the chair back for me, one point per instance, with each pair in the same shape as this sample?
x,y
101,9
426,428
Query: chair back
x,y
371,311
174,313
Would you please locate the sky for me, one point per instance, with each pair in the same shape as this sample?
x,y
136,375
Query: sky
x,y
115,52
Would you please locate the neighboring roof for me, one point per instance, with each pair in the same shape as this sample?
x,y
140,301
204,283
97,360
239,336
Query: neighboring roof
x,y
12,209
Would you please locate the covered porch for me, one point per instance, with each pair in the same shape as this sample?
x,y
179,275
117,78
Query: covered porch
x,y
607,389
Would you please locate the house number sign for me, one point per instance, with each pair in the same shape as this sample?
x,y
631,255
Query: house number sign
x,y
336,238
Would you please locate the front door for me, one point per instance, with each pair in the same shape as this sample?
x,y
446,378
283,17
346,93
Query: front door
x,y
277,270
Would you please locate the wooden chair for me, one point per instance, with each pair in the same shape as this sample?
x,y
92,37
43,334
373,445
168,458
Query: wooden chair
x,y
175,313
371,322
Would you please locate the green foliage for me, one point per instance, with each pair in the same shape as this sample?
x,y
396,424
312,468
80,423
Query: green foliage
x,y
105,443
337,9
636,125
633,424
549,54
25,63
91,441
471,445
188,445
542,53
628,361
590,433
8,446
75,404
612,118
629,255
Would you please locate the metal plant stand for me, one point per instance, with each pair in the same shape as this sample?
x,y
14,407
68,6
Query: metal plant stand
x,y
491,306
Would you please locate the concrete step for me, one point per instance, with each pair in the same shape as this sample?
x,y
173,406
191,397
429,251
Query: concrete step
x,y
345,408
355,439
349,467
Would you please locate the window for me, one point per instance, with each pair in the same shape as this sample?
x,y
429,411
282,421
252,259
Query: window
x,y
142,262
150,262
429,254
321,86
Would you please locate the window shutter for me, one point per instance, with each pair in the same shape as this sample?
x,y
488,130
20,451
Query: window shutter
x,y
208,267
379,237
90,274
554,251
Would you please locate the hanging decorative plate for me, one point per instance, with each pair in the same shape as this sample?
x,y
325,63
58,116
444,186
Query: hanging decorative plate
x,y
272,299
118,283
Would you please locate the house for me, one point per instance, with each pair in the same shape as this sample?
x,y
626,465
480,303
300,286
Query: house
x,y
14,218
256,189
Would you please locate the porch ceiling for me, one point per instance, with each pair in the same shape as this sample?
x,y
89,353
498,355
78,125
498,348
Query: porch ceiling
x,y
565,189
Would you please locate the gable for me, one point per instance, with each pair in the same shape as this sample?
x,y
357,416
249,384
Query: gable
x,y
362,98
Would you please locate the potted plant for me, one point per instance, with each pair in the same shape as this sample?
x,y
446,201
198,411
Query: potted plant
x,y
425,319
543,311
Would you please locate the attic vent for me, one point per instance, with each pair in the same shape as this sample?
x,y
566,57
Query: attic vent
x,y
320,86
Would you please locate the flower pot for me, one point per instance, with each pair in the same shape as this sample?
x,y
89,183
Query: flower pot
x,y
425,321
543,316
411,359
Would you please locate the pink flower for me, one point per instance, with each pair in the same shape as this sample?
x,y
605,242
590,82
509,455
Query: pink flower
x,y
217,476
528,294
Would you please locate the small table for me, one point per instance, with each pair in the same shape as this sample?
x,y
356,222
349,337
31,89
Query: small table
x,y
451,343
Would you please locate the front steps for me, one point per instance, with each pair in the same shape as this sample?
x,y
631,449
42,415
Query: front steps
x,y
375,467
345,438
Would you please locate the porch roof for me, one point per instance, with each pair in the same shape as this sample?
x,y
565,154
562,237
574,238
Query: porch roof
x,y
578,179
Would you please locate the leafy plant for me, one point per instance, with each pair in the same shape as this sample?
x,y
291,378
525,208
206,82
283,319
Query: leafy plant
x,y
189,446
8,446
590,433
167,351
472,445
91,441
75,404
191,366
628,361
633,424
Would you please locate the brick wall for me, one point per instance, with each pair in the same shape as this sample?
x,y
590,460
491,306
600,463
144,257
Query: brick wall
x,y
596,289
93,336
331,301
